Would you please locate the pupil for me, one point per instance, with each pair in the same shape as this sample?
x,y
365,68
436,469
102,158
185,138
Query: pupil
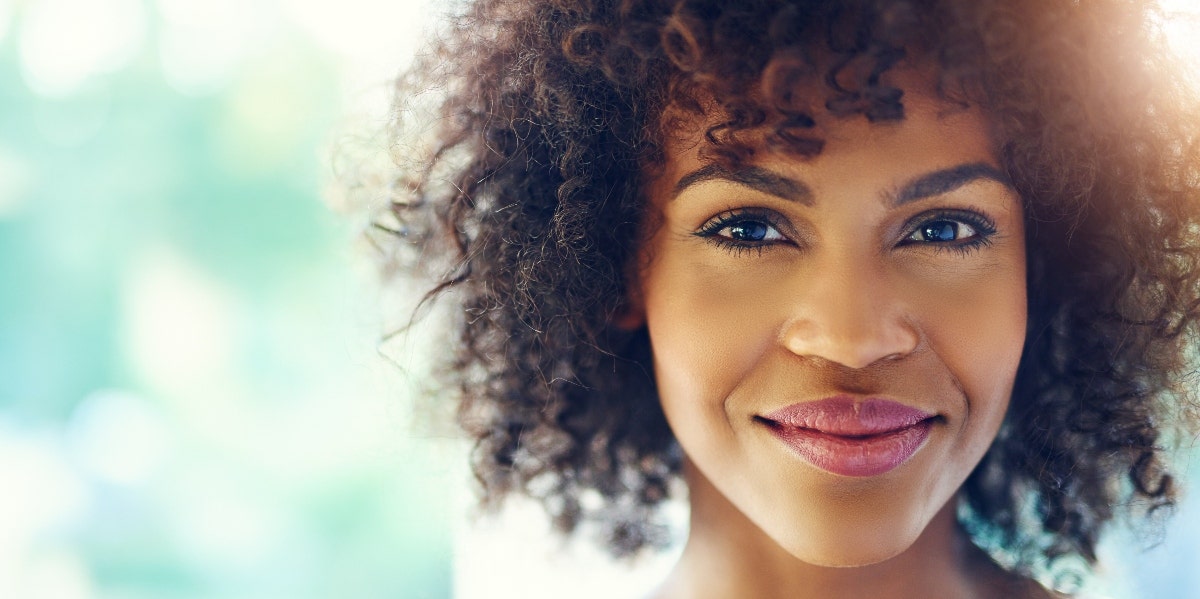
x,y
748,231
940,231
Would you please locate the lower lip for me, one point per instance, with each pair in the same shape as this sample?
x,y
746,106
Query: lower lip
x,y
870,455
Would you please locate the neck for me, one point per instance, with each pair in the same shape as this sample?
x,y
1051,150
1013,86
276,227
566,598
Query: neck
x,y
727,555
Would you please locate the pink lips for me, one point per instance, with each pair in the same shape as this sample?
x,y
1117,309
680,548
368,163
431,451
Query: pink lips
x,y
851,437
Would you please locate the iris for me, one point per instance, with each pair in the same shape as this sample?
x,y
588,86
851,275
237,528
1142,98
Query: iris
x,y
748,231
941,230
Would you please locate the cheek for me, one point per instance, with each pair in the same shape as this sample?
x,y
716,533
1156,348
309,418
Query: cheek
x,y
988,335
708,328
978,332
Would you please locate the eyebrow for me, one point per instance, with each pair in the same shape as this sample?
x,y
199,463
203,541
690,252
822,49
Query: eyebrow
x,y
946,180
931,184
759,179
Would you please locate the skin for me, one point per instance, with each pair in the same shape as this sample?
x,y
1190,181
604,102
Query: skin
x,y
835,289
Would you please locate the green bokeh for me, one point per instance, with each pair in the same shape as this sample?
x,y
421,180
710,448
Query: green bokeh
x,y
280,456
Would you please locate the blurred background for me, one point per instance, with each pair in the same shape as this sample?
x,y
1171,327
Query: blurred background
x,y
191,402
191,399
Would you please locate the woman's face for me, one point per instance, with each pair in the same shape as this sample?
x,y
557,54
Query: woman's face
x,y
835,339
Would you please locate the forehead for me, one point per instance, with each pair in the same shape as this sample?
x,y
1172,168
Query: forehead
x,y
934,134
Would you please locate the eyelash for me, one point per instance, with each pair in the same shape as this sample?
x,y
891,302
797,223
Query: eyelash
x,y
710,229
984,228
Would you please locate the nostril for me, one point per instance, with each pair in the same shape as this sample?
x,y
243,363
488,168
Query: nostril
x,y
854,336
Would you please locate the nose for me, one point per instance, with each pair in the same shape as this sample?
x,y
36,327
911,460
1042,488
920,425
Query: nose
x,y
853,317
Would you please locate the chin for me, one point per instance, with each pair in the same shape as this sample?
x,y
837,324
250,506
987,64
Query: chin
x,y
850,557
847,554
850,539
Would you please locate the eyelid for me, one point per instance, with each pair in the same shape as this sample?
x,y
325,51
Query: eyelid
x,y
985,230
711,227
982,223
733,215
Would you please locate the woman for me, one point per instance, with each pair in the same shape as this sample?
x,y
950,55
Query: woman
x,y
882,282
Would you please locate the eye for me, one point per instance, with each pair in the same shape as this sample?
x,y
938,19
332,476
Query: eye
x,y
750,231
962,230
743,229
943,230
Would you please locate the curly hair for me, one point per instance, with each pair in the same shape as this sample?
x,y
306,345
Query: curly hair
x,y
525,214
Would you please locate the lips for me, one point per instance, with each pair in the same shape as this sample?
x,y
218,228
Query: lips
x,y
851,437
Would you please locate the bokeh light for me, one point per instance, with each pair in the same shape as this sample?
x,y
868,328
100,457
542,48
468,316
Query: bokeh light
x,y
192,402
202,44
64,43
5,17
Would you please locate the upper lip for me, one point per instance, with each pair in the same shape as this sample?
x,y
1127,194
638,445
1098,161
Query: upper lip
x,y
850,416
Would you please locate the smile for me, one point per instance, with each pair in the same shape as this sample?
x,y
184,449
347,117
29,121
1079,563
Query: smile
x,y
851,438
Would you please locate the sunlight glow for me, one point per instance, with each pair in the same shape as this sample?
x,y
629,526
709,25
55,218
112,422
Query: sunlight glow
x,y
5,17
57,576
342,28
179,323
64,43
374,40
223,525
48,495
202,44
1182,27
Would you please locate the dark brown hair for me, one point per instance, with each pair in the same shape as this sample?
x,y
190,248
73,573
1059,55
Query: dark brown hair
x,y
525,215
